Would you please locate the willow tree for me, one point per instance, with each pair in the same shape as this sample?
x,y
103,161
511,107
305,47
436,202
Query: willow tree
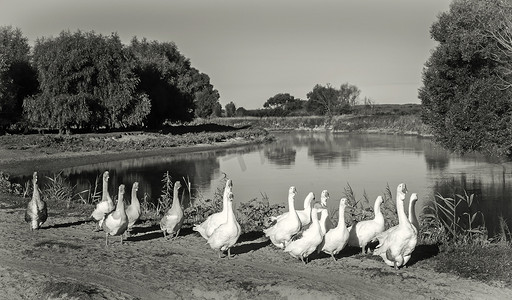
x,y
85,82
462,99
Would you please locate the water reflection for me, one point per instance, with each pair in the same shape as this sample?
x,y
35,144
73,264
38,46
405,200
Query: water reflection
x,y
317,161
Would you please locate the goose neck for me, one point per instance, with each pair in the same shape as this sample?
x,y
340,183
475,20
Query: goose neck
x,y
291,204
341,217
400,208
175,198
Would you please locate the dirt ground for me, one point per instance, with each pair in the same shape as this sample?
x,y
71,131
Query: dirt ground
x,y
66,259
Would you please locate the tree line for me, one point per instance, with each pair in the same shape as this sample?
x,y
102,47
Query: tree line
x,y
85,80
323,100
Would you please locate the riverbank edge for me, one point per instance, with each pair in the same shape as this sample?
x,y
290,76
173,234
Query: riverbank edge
x,y
12,161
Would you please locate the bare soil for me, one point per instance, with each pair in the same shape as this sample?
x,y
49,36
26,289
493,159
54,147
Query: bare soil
x,y
66,259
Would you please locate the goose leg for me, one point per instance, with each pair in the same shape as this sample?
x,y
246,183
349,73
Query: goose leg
x,y
220,253
177,233
229,253
106,239
302,258
164,232
121,239
332,255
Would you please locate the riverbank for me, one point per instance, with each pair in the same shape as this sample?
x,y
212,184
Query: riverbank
x,y
409,124
50,151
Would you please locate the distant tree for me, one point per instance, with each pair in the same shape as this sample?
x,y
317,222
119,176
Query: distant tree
x,y
17,77
205,101
282,104
86,82
241,112
327,100
166,77
217,110
322,100
462,96
348,94
230,109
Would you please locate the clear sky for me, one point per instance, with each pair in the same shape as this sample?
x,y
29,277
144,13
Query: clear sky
x,y
253,50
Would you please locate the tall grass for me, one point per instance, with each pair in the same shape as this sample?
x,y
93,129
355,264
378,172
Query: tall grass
x,y
453,219
361,209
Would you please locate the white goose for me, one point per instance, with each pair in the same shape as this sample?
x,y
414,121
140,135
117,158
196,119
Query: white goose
x,y
116,222
172,221
397,243
36,213
304,214
412,211
365,231
324,196
337,238
282,231
133,210
226,235
106,205
311,238
215,220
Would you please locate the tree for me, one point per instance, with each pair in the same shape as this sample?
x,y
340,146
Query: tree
x,y
241,112
230,109
205,99
17,77
217,110
168,79
283,104
461,96
327,100
85,82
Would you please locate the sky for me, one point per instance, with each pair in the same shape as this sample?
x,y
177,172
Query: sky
x,y
253,50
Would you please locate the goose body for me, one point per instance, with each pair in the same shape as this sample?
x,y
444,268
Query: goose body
x,y
36,212
172,221
213,221
397,243
133,210
282,231
106,205
311,238
365,231
225,236
337,238
116,222
304,214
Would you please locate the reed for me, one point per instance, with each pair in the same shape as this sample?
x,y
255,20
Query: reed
x,y
59,190
456,217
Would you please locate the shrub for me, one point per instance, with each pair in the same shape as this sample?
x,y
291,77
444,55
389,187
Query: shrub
x,y
255,214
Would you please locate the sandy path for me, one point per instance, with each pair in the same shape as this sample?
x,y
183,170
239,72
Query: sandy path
x,y
148,266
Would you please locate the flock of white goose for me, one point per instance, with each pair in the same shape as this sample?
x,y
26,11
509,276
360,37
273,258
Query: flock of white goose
x,y
298,232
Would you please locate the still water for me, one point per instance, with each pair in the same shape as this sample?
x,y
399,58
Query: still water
x,y
317,161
